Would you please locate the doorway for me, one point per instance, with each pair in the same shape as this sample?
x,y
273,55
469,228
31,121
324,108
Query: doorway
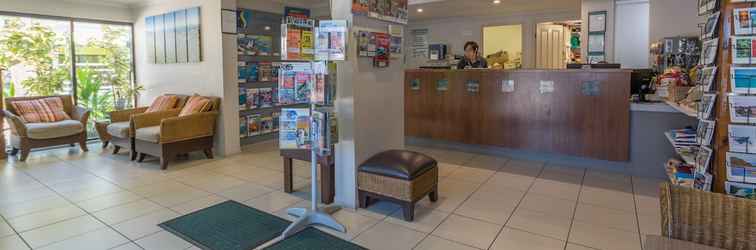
x,y
502,46
557,44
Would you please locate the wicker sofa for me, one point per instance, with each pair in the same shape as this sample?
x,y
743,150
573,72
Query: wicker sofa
x,y
166,134
707,218
120,131
26,136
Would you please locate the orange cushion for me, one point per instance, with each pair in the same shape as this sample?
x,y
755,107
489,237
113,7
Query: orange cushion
x,y
163,103
196,104
41,110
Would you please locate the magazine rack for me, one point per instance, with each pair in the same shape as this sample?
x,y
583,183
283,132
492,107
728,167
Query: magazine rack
x,y
314,215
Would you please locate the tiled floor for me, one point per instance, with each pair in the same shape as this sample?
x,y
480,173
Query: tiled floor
x,y
61,199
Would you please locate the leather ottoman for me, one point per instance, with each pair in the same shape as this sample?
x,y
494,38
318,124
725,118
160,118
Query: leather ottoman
x,y
399,176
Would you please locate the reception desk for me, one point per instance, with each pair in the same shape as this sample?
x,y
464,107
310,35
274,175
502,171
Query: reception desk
x,y
582,113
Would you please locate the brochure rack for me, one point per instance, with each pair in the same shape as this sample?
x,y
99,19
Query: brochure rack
x,y
735,133
311,132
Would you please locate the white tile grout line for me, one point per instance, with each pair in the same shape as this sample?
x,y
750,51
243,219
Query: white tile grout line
x,y
76,205
16,233
543,166
574,211
637,216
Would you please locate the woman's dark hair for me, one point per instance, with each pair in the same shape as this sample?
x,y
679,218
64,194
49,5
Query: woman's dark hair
x,y
472,44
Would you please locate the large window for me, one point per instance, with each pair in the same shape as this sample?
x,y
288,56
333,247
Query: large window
x,y
48,56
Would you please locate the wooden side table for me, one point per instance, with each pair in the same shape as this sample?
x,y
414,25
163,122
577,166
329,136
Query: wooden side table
x,y
102,132
327,172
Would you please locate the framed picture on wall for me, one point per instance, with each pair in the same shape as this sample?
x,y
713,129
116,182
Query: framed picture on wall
x,y
597,21
596,43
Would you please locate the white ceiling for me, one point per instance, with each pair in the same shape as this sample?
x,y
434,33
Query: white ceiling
x,y
431,8
470,8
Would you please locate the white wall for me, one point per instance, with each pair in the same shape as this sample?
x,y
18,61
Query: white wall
x,y
454,32
107,12
671,18
599,5
502,38
369,106
631,40
204,78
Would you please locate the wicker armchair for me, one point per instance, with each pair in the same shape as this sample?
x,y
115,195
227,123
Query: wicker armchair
x,y
706,218
26,136
120,131
166,134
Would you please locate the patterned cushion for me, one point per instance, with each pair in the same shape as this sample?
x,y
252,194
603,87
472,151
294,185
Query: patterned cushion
x,y
196,104
163,103
49,130
41,110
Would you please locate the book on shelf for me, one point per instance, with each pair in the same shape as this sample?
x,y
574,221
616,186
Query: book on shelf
x,y
252,98
266,125
276,121
242,98
243,74
253,125
243,130
265,72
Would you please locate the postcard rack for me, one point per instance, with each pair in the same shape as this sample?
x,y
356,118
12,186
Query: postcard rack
x,y
734,141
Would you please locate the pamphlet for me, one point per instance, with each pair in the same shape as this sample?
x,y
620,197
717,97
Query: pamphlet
x,y
382,48
294,132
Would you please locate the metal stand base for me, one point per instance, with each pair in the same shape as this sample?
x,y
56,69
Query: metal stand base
x,y
308,218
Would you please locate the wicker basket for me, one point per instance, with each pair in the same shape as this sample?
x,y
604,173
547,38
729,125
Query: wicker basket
x,y
708,218
405,190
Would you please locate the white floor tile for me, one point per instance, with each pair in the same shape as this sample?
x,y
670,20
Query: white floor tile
x,y
60,231
145,225
127,211
12,242
540,223
104,238
163,241
513,239
387,236
468,231
44,218
603,238
425,220
436,243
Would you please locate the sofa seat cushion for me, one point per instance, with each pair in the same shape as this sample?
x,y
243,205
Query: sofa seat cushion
x,y
48,130
400,164
119,129
150,134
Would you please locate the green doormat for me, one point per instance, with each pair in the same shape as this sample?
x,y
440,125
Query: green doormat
x,y
314,239
227,226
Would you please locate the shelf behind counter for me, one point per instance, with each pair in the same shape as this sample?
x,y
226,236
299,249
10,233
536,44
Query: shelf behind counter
x,y
580,112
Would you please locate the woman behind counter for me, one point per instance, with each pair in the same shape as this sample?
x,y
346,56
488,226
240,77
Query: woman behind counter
x,y
472,59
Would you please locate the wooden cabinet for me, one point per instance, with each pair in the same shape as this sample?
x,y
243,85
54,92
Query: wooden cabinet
x,y
586,115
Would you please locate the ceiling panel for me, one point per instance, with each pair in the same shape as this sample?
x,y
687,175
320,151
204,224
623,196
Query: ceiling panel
x,y
459,8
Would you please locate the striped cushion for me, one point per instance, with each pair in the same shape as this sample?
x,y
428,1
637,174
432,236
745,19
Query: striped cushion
x,y
41,110
56,112
163,103
196,104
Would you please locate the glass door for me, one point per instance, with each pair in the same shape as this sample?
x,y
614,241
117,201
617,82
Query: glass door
x,y
103,65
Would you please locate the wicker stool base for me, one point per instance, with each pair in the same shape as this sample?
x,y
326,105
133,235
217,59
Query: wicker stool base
x,y
403,192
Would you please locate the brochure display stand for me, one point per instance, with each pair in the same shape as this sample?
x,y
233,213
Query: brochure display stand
x,y
734,141
307,82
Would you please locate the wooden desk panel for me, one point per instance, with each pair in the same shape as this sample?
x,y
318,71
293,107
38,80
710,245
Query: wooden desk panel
x,y
565,121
